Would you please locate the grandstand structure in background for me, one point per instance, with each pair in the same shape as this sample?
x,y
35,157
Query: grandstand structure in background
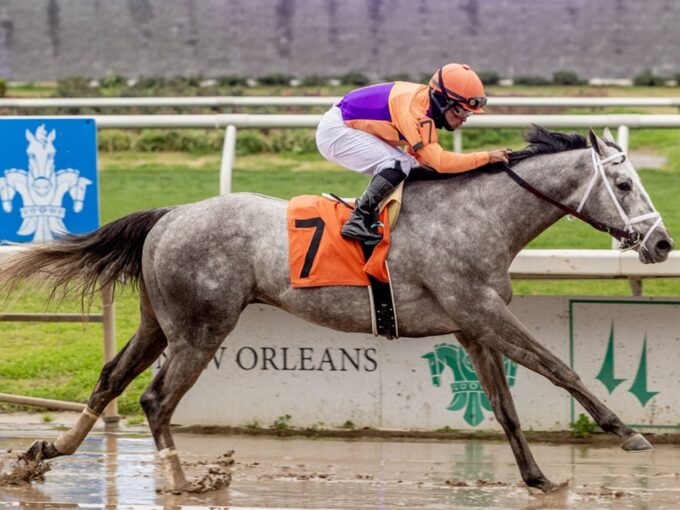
x,y
51,39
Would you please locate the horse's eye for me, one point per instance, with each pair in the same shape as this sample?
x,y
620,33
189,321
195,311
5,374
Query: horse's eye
x,y
624,186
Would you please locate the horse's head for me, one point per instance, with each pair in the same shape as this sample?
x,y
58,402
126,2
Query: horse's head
x,y
436,366
41,153
614,196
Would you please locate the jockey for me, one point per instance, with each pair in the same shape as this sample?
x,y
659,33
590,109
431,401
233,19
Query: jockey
x,y
364,130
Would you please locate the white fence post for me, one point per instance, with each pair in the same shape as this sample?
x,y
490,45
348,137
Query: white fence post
x,y
458,140
228,153
622,137
110,414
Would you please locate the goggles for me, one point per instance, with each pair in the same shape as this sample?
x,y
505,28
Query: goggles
x,y
475,102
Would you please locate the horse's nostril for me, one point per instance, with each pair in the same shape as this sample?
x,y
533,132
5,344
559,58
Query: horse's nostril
x,y
663,246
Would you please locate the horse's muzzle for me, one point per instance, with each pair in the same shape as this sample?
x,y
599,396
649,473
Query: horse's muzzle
x,y
663,247
657,248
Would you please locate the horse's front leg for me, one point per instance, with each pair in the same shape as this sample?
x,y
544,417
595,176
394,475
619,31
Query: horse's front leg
x,y
489,368
491,323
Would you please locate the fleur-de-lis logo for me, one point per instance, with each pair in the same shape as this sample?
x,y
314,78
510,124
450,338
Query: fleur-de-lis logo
x,y
42,189
467,391
610,381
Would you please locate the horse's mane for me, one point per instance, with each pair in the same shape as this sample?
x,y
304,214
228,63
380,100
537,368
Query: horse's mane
x,y
541,141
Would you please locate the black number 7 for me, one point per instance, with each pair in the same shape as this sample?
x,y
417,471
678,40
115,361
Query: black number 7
x,y
319,225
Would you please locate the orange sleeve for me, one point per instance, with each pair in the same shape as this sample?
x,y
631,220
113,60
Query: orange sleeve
x,y
450,162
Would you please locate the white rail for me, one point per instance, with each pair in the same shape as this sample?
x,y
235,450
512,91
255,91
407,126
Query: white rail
x,y
230,101
247,120
585,264
234,121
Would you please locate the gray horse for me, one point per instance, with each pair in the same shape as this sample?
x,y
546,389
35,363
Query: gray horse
x,y
199,265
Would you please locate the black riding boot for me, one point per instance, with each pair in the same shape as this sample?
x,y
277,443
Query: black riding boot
x,y
361,223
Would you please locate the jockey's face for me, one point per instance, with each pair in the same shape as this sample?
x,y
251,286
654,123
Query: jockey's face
x,y
457,116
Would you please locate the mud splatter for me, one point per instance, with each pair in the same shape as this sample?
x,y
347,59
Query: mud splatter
x,y
457,483
218,476
477,483
490,483
606,492
20,471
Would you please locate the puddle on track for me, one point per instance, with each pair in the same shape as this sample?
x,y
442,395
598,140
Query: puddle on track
x,y
121,470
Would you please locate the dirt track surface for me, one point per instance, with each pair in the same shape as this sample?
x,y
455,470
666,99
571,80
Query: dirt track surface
x,y
122,469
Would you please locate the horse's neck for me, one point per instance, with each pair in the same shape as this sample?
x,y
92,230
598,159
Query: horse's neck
x,y
507,213
526,215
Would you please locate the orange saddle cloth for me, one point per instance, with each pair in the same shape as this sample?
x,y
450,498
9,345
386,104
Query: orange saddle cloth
x,y
320,256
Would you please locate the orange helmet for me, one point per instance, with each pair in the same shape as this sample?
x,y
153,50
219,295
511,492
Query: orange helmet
x,y
461,85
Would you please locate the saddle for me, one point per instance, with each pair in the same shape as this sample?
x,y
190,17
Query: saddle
x,y
319,256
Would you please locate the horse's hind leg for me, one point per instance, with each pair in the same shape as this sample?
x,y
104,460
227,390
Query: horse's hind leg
x,y
185,362
489,368
138,354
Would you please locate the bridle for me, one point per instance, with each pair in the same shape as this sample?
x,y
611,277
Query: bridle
x,y
628,236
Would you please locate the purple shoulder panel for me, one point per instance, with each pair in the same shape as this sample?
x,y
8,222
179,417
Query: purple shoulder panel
x,y
367,103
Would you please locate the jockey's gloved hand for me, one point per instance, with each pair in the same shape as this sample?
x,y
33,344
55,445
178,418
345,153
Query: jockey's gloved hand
x,y
499,156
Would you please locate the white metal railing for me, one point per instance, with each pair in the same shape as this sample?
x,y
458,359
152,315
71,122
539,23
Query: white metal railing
x,y
231,101
231,122
248,120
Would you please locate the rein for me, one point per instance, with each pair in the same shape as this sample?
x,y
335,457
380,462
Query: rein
x,y
629,238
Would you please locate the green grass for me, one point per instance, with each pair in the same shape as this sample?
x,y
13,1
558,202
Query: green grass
x,y
63,361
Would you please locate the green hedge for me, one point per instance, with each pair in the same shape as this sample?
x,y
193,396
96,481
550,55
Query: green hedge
x,y
531,80
296,141
567,78
648,79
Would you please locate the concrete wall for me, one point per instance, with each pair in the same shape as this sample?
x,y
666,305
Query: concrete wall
x,y
274,364
47,39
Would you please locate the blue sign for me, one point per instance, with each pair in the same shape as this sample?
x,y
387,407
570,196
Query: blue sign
x,y
48,178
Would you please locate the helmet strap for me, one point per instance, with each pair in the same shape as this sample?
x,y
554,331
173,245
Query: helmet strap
x,y
438,108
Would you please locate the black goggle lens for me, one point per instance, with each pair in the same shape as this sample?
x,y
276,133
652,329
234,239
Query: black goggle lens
x,y
476,102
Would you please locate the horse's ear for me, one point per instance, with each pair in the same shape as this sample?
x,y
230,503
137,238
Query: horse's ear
x,y
51,136
607,135
29,136
595,141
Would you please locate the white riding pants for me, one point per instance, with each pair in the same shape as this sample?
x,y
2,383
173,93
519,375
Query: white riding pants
x,y
357,150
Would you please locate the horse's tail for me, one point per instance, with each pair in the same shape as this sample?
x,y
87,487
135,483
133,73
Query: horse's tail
x,y
80,264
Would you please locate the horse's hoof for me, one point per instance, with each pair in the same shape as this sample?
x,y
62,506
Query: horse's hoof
x,y
545,486
636,443
35,452
177,489
559,489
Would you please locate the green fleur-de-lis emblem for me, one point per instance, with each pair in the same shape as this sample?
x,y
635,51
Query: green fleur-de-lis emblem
x,y
639,386
468,393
